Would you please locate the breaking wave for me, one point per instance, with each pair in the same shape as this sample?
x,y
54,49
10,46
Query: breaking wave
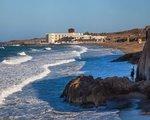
x,y
34,50
5,93
2,47
80,51
48,48
22,53
17,60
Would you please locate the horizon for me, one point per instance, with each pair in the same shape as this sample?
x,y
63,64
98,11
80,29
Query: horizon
x,y
20,20
75,31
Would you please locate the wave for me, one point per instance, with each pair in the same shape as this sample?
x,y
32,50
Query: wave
x,y
2,47
22,53
80,51
17,60
48,48
5,93
34,50
62,62
16,45
83,50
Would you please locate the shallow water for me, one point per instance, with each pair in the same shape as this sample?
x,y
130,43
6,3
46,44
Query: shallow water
x,y
32,88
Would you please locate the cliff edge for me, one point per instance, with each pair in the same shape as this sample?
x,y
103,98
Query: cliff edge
x,y
143,69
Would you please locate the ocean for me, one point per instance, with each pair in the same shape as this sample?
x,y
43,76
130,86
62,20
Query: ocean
x,y
32,79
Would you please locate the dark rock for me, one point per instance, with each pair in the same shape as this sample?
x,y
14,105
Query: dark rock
x,y
145,106
87,90
143,70
143,87
130,57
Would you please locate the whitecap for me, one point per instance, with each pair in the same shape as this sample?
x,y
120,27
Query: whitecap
x,y
34,50
22,53
2,47
48,48
81,50
16,45
16,60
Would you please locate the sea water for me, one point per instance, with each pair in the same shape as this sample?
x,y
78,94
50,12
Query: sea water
x,y
32,78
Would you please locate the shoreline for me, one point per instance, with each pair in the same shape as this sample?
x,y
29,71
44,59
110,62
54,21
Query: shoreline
x,y
16,88
126,47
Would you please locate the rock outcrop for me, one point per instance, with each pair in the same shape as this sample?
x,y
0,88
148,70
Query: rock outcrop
x,y
87,90
143,70
130,57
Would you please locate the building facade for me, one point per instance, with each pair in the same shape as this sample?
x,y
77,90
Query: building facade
x,y
56,37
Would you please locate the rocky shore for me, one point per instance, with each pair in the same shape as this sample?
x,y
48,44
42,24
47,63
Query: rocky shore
x,y
85,90
132,50
130,57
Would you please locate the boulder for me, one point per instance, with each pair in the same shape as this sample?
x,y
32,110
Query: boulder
x,y
143,69
87,90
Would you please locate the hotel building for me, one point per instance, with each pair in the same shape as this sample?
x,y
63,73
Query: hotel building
x,y
56,37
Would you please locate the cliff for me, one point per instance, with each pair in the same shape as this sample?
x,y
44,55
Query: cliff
x,y
143,70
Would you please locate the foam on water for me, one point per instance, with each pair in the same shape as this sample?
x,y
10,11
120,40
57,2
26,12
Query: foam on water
x,y
81,50
48,48
22,53
2,47
34,50
17,60
16,45
19,87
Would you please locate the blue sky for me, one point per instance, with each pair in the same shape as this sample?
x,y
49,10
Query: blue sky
x,y
21,19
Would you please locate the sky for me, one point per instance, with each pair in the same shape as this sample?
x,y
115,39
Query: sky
x,y
23,19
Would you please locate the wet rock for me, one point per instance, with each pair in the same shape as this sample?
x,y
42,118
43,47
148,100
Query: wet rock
x,y
87,90
145,106
130,57
143,87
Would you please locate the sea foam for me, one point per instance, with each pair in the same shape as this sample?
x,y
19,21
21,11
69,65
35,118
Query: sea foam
x,y
2,47
22,53
15,88
17,60
48,48
81,50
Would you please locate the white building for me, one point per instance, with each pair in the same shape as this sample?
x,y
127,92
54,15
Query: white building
x,y
56,37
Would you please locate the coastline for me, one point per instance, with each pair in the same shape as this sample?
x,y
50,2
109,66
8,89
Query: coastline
x,y
58,92
126,47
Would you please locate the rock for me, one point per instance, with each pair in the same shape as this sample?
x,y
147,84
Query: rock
x,y
143,87
143,70
87,90
130,57
145,106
